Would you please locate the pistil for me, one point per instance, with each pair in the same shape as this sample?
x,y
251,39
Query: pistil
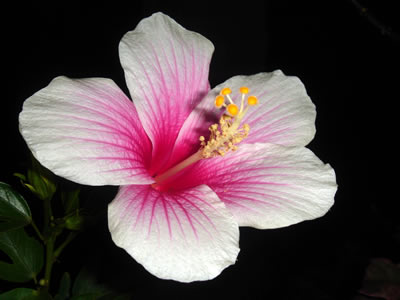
x,y
224,136
175,169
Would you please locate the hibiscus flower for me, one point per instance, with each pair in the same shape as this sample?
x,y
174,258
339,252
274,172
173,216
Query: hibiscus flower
x,y
193,164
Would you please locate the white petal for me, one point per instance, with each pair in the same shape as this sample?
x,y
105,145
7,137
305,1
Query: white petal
x,y
87,131
166,69
185,236
267,186
284,115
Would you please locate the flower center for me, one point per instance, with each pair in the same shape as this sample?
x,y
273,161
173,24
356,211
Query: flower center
x,y
224,136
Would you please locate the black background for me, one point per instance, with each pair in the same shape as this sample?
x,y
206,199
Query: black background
x,y
349,66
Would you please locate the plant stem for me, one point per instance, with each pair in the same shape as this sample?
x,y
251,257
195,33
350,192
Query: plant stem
x,y
50,234
69,238
37,230
49,260
47,214
35,279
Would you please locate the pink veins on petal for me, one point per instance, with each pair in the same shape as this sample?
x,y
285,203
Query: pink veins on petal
x,y
189,173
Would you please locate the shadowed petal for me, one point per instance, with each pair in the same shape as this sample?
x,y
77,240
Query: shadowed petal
x,y
267,186
185,236
166,69
87,131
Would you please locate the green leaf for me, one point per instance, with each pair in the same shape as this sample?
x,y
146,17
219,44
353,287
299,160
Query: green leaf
x,y
117,297
86,283
14,211
18,294
97,296
65,287
93,296
25,294
86,287
26,254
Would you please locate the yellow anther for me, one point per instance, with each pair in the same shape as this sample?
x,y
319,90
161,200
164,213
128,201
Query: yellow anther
x,y
228,132
246,127
244,90
252,100
219,101
233,109
226,91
